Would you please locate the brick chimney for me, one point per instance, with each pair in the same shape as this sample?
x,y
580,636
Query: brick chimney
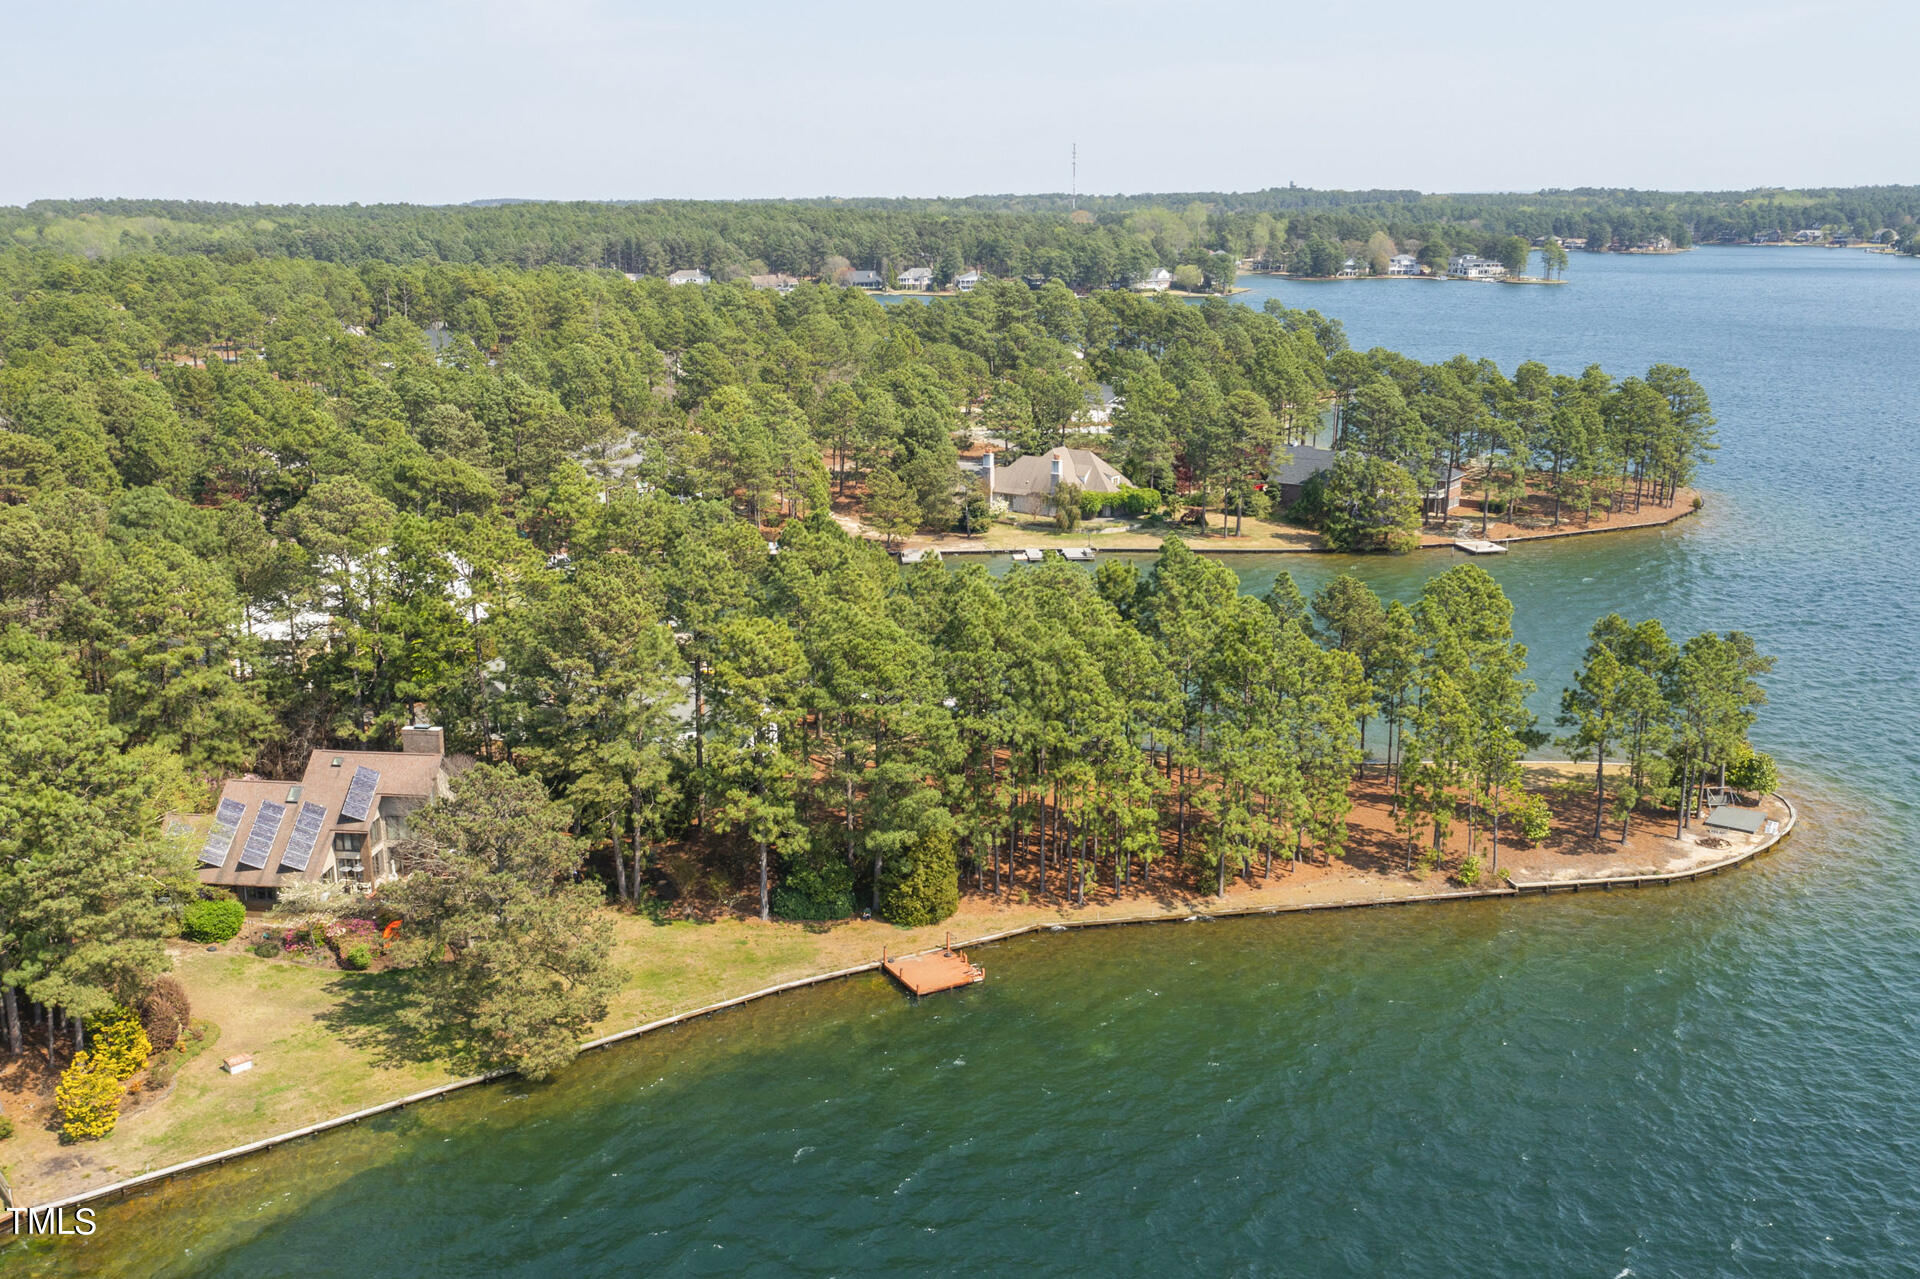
x,y
422,739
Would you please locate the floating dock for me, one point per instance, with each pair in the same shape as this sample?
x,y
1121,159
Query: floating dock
x,y
943,969
1078,554
1474,546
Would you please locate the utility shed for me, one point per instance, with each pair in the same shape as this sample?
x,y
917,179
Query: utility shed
x,y
1746,820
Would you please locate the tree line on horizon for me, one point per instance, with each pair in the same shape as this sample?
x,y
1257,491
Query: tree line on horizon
x,y
1102,240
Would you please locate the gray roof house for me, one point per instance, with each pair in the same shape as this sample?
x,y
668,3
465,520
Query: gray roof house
x,y
1307,462
915,277
1028,483
964,282
779,281
862,280
692,275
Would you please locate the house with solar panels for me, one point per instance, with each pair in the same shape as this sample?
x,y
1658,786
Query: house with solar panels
x,y
338,824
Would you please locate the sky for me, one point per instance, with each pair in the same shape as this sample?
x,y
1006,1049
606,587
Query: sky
x,y
432,101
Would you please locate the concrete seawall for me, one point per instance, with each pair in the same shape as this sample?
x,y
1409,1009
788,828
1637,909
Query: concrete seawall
x,y
121,1189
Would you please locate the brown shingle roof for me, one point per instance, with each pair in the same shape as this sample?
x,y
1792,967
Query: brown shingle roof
x,y
402,775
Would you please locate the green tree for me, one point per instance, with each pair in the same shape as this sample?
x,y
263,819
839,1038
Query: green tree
x,y
511,953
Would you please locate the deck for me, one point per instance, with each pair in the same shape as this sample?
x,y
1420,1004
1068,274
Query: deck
x,y
1475,546
934,971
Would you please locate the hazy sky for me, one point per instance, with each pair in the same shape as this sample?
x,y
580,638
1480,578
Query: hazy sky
x,y
434,101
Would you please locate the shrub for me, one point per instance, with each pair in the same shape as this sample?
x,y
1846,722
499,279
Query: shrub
x,y
821,890
1530,813
924,886
1470,871
6,1127
88,1100
305,898
215,919
266,948
1756,774
1136,503
357,957
120,1045
165,1012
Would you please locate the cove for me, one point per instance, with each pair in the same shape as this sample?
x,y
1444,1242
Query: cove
x,y
1709,1079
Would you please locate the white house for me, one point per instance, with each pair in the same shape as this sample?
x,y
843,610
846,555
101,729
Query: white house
x,y
1403,264
916,278
691,276
1158,280
1027,484
1350,267
1468,267
964,282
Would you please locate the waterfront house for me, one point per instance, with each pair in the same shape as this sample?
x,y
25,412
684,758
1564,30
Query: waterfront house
x,y
1290,480
1442,494
1034,281
1808,236
1467,266
1158,280
916,278
1027,484
778,281
338,824
1403,264
690,276
872,281
964,282
1349,268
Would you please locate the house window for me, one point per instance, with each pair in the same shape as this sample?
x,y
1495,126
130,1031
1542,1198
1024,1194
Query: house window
x,y
348,867
344,842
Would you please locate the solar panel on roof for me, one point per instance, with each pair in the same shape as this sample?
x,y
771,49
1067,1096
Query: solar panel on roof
x,y
226,822
266,827
359,798
306,833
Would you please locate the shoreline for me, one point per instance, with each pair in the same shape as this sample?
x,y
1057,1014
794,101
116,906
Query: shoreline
x,y
1148,543
1738,857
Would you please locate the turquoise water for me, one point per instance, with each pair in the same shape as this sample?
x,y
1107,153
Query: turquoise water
x,y
1712,1079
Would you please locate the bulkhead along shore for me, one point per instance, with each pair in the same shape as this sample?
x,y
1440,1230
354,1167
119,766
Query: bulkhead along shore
x,y
720,957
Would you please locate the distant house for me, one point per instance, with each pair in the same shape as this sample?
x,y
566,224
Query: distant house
x,y
1468,267
690,276
870,280
964,282
779,281
1097,413
1573,241
1028,483
1034,281
338,824
1350,267
1290,480
1403,264
1443,494
1807,236
916,278
1158,280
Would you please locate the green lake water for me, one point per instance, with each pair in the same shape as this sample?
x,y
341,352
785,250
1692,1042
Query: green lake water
x,y
1712,1079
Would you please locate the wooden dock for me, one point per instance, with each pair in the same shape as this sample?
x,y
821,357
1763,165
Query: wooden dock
x,y
937,970
1474,546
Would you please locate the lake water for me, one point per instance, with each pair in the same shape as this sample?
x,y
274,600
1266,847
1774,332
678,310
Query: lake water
x,y
1712,1079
